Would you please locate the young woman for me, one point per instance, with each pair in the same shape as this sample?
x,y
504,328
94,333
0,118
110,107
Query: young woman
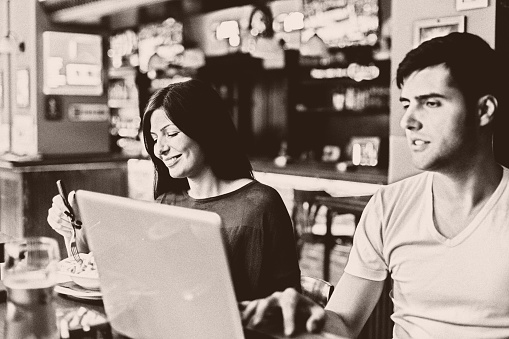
x,y
200,164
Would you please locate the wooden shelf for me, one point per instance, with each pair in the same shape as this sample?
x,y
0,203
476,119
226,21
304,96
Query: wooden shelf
x,y
344,82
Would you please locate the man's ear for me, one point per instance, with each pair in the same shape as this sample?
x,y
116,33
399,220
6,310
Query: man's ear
x,y
486,107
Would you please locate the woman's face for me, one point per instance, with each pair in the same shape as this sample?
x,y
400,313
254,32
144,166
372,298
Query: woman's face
x,y
181,154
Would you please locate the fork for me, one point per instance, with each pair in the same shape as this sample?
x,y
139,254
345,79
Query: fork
x,y
74,246
76,224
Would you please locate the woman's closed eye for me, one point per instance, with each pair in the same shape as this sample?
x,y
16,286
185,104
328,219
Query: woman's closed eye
x,y
171,134
166,134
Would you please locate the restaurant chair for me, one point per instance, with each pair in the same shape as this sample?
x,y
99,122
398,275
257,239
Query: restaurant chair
x,y
304,212
316,289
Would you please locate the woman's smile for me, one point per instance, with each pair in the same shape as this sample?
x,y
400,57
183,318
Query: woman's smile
x,y
170,161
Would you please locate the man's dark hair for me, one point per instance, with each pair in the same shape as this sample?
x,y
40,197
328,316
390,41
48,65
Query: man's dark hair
x,y
200,113
474,66
476,70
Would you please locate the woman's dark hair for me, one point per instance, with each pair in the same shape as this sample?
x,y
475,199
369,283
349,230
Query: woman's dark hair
x,y
199,112
474,66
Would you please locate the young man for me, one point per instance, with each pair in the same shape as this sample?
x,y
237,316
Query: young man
x,y
442,235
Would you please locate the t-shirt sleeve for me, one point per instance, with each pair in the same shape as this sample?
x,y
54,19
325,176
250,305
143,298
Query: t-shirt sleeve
x,y
280,257
366,258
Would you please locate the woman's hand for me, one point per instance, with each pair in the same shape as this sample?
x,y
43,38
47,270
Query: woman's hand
x,y
297,311
57,218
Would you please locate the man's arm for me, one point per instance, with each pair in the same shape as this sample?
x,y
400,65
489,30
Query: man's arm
x,y
351,305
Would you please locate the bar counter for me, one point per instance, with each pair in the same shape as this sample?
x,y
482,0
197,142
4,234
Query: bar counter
x,y
361,174
317,176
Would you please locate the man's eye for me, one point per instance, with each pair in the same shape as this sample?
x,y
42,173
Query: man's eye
x,y
432,104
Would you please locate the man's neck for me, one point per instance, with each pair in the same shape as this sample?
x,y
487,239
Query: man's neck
x,y
471,183
462,194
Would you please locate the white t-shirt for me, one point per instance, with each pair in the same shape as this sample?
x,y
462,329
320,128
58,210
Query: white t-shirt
x,y
443,288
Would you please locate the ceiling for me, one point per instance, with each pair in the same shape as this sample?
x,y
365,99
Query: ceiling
x,y
93,12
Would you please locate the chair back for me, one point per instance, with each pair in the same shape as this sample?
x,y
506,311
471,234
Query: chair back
x,y
316,289
305,208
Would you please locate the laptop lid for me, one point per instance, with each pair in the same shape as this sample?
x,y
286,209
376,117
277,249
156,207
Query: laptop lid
x,y
163,269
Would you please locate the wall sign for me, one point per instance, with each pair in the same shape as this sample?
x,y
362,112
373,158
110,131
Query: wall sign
x,y
72,63
88,112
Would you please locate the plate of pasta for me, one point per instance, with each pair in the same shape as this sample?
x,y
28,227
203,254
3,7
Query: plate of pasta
x,y
84,274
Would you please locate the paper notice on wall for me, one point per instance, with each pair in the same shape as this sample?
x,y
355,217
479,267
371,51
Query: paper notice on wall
x,y
88,112
23,131
4,138
72,64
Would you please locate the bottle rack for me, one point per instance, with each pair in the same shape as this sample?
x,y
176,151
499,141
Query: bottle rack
x,y
332,99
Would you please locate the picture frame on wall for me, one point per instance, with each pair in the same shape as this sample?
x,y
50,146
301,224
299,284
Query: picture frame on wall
x,y
462,5
431,28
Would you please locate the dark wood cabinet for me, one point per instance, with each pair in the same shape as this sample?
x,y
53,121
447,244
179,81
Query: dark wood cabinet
x,y
234,77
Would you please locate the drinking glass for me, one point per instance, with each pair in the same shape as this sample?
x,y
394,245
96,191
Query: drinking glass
x,y
30,277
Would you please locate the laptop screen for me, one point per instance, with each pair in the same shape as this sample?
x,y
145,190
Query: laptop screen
x,y
163,269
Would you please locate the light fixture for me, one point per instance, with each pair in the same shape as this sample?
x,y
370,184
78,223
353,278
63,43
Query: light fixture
x,y
8,43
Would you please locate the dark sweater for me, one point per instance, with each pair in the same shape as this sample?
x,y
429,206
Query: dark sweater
x,y
258,236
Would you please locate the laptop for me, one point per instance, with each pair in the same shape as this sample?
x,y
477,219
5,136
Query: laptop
x,y
163,269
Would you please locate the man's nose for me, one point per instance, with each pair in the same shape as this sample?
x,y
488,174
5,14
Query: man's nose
x,y
409,119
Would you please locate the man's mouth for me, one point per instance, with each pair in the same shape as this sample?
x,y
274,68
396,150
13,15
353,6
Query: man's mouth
x,y
418,144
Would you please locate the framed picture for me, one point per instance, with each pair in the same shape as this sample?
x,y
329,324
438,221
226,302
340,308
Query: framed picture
x,y
430,28
462,5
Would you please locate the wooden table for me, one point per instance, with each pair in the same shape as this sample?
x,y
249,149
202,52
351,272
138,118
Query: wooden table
x,y
66,304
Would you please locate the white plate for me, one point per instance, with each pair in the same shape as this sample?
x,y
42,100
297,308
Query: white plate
x,y
72,289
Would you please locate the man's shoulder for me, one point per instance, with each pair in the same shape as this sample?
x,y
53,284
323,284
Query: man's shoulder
x,y
410,185
409,181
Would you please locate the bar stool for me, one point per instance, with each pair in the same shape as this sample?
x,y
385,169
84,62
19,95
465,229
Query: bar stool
x,y
338,205
305,208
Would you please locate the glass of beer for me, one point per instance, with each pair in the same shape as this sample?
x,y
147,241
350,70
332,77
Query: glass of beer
x,y
30,276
